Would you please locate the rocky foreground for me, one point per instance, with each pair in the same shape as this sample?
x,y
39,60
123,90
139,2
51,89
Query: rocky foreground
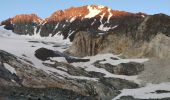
x,y
112,55
92,85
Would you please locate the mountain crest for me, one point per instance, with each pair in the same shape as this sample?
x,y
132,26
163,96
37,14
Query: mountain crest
x,y
93,18
87,12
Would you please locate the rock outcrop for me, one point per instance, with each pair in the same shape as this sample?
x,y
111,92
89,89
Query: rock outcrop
x,y
23,24
129,69
150,39
87,44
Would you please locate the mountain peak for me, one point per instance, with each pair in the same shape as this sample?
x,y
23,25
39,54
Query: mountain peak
x,y
96,18
88,11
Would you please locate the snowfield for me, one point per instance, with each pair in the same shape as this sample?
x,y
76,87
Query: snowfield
x,y
148,92
92,12
25,47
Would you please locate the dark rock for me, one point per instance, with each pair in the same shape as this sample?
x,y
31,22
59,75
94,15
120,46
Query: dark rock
x,y
114,58
118,84
130,68
154,24
96,74
162,91
45,54
127,98
24,93
110,68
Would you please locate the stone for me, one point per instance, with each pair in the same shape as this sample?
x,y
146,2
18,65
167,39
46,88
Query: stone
x,y
129,69
45,54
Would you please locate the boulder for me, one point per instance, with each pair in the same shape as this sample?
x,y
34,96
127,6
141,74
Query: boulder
x,y
129,69
45,54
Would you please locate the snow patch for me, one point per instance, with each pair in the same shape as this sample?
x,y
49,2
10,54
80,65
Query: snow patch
x,y
101,33
105,28
35,30
102,28
49,62
62,68
64,25
36,34
93,22
44,23
102,17
100,6
56,26
10,68
59,59
72,19
56,35
70,33
114,26
143,16
92,12
110,15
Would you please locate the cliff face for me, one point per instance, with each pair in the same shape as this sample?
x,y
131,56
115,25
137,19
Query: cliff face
x,y
22,24
150,39
96,19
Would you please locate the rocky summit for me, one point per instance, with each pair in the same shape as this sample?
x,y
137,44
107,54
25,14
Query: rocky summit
x,y
85,53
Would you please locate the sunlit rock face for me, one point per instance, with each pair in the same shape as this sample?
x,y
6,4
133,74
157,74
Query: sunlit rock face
x,y
22,24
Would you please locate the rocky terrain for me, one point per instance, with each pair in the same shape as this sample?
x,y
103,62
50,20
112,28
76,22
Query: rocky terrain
x,y
85,53
58,74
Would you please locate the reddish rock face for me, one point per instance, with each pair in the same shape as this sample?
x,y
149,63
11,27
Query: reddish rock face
x,y
7,24
22,24
23,18
60,15
82,12
26,18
